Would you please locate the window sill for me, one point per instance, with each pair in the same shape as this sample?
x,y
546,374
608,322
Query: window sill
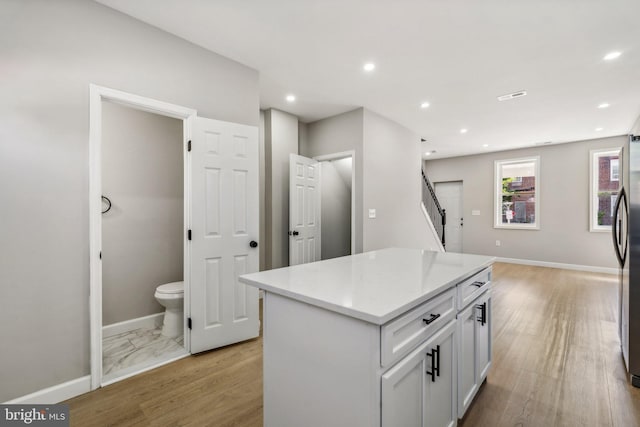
x,y
535,227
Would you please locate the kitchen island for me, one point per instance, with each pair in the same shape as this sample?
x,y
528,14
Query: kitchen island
x,y
374,339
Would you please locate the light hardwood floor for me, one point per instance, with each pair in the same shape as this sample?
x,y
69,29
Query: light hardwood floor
x,y
556,362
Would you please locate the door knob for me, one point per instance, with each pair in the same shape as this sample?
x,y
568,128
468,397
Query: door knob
x,y
293,233
253,244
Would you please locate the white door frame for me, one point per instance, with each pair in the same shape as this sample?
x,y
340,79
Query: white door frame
x,y
339,156
97,94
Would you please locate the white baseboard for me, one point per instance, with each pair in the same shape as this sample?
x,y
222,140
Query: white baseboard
x,y
150,321
578,267
56,393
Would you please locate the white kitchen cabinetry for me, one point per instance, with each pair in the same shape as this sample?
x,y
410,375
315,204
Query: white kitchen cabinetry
x,y
474,343
420,390
366,340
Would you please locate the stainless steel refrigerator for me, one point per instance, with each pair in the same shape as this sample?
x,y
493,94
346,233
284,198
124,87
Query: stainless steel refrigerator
x,y
626,238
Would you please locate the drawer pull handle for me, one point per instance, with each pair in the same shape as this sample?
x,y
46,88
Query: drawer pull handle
x,y
431,319
434,354
483,313
478,284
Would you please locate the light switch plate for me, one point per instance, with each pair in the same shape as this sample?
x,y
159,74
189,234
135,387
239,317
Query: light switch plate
x,y
475,212
372,213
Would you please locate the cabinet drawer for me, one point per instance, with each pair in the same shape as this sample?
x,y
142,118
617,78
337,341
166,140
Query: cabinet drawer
x,y
472,287
403,334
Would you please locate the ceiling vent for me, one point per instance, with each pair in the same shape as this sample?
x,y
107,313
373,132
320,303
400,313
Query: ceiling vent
x,y
512,95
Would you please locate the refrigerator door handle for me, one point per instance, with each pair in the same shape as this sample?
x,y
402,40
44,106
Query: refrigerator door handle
x,y
616,228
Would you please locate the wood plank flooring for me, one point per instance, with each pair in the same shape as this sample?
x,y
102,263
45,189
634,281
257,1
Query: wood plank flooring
x,y
556,362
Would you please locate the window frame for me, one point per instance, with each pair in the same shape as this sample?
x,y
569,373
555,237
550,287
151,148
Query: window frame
x,y
497,194
594,155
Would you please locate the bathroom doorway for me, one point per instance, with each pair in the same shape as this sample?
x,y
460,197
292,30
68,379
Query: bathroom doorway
x,y
143,242
219,232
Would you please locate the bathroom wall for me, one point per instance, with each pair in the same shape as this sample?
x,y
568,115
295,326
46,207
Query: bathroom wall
x,y
143,232
51,52
335,188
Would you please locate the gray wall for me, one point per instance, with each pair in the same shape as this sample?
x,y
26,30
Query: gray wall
x,y
336,207
334,135
564,235
281,139
392,186
387,175
50,53
143,232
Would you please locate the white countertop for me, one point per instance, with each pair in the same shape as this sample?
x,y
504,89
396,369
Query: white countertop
x,y
374,286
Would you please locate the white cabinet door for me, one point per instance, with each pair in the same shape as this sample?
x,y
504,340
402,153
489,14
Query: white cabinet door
x,y
403,391
474,356
467,342
483,336
420,390
304,210
224,223
440,409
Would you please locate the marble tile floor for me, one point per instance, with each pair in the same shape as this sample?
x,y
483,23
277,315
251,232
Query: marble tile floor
x,y
132,351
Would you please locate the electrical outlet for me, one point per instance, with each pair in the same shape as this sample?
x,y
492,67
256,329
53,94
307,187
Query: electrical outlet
x,y
498,243
372,213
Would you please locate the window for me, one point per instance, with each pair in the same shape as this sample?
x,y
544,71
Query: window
x,y
614,165
517,194
605,183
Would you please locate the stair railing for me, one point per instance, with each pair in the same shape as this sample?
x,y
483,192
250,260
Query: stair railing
x,y
434,210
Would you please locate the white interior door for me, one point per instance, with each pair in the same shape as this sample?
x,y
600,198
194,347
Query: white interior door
x,y
224,225
304,210
449,195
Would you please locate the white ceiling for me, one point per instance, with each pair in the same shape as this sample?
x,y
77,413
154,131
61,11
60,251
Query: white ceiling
x,y
458,55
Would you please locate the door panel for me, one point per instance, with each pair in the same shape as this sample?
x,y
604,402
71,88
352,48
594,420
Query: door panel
x,y
403,392
483,335
304,210
224,219
441,398
466,358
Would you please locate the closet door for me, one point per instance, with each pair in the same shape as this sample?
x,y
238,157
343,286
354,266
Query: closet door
x,y
224,232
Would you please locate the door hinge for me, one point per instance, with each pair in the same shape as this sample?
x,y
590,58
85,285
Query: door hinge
x,y
189,145
635,138
100,255
188,234
189,322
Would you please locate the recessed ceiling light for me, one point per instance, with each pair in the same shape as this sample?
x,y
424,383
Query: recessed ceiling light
x,y
485,145
291,98
369,66
424,105
612,55
603,105
464,130
428,153
599,129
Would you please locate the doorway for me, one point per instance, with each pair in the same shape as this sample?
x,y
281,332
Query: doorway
x,y
218,233
142,239
449,195
321,207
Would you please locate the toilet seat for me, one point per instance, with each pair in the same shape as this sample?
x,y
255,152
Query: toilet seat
x,y
171,288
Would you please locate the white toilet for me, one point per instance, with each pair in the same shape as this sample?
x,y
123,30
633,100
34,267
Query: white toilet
x,y
171,296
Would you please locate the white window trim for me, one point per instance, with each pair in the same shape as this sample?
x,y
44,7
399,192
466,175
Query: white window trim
x,y
497,194
593,187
